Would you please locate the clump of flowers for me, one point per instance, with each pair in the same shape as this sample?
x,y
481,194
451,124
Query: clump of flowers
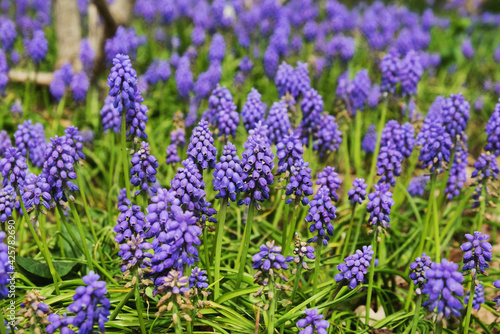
x,y
379,206
300,185
8,203
201,147
227,119
455,111
320,215
417,185
418,269
486,169
13,167
227,174
355,267
313,323
257,165
328,137
389,165
369,140
289,150
301,251
35,191
143,169
5,267
443,287
436,150
330,180
269,262
478,298
253,110
34,312
477,252
493,132
278,122
357,193
30,139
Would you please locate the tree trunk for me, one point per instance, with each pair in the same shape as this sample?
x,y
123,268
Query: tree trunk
x,y
68,33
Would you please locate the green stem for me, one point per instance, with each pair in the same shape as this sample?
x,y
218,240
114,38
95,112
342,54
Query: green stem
x,y
42,246
53,271
59,112
219,234
207,257
86,207
291,231
482,209
427,216
316,267
82,234
469,305
348,237
332,297
296,283
272,308
138,304
286,221
380,126
436,228
357,144
121,304
416,315
3,328
124,156
244,246
370,282
346,160
358,230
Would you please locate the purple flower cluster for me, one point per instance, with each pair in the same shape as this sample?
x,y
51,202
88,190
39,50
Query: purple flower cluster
x,y
418,269
278,122
493,132
357,193
87,55
380,205
37,47
443,287
158,71
330,180
257,170
62,78
478,297
410,72
30,139
227,119
398,137
301,251
355,267
417,185
227,174
300,185
143,169
8,204
111,117
125,41
198,279
293,81
389,165
312,107
289,150
201,147
320,215
253,110
389,66
269,257
436,150
313,322
455,112
458,172
369,140
171,155
5,267
13,167
328,137
35,191
486,169
219,97
477,252
79,86
359,91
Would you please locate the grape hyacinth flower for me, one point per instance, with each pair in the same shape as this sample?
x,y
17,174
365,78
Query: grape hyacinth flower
x,y
217,48
63,323
144,169
418,269
355,267
218,98
379,206
16,108
320,215
33,313
278,122
178,136
184,78
330,180
257,165
357,193
398,137
436,150
458,172
300,185
313,322
79,86
253,110
389,66
369,140
171,155
417,185
90,304
35,191
227,174
389,165
122,83
328,137
478,298
301,251
134,254
227,119
455,111
5,142
30,139
260,129
289,150
269,261
130,222
443,287
201,147
493,132
158,71
496,284
110,116
87,55
467,48
37,47
8,203
8,34
285,79
62,78
136,118
477,252
486,169
410,72
13,167
198,279
4,69
302,80
360,90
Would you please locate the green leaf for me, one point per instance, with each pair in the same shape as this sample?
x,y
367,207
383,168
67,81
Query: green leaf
x,y
41,268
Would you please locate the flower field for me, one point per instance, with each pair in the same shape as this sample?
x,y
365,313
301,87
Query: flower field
x,y
249,166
